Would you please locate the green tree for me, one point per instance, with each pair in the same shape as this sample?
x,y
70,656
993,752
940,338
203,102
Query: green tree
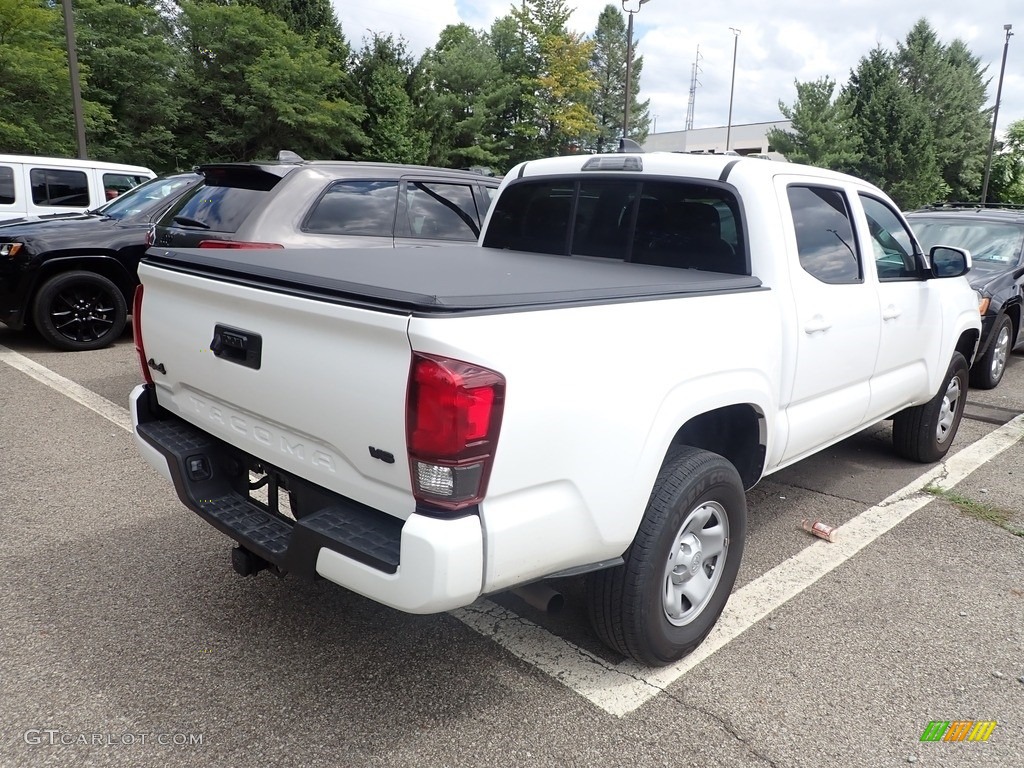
x,y
948,82
608,65
547,111
35,88
461,89
822,129
315,20
383,74
897,135
252,86
1006,178
127,48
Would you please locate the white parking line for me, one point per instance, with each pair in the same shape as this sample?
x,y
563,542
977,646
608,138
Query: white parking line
x,y
622,688
75,391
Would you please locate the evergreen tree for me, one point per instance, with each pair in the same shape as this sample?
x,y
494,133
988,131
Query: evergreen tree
x,y
608,66
251,87
948,82
461,88
896,133
822,130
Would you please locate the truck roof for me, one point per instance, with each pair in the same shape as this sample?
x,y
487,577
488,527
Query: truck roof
x,y
671,164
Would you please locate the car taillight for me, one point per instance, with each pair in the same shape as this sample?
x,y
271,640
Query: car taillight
x,y
137,333
236,244
453,415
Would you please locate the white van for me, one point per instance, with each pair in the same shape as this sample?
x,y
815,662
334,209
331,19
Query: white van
x,y
37,186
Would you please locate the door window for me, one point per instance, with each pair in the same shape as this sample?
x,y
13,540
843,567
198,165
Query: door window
x,y
824,234
438,211
59,188
891,242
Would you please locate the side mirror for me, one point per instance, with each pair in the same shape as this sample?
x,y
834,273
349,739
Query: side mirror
x,y
949,262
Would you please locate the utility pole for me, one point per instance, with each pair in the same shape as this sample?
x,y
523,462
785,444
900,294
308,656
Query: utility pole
x,y
629,63
694,82
76,88
732,86
995,114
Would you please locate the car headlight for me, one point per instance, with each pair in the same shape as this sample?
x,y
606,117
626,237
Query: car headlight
x,y
983,302
9,249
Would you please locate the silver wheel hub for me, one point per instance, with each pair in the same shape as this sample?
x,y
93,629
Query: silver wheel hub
x,y
695,562
1000,352
947,412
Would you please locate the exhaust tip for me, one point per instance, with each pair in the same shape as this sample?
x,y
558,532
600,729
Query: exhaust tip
x,y
540,596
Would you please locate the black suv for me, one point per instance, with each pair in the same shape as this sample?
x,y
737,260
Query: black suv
x,y
327,204
995,238
72,275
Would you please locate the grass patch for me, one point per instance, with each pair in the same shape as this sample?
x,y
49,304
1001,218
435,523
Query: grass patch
x,y
978,510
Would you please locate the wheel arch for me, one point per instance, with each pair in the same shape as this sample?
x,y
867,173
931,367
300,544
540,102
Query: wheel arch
x,y
106,266
736,432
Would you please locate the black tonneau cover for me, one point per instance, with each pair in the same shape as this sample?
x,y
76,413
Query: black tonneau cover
x,y
448,279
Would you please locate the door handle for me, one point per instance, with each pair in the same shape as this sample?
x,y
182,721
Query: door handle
x,y
817,324
891,312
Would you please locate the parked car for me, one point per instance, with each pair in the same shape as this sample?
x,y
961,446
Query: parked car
x,y
41,186
296,203
70,276
995,238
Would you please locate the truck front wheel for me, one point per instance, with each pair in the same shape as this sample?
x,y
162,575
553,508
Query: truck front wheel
x,y
662,602
925,432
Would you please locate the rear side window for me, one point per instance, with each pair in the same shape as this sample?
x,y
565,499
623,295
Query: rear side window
x,y
824,234
683,224
59,188
6,186
220,209
440,211
355,208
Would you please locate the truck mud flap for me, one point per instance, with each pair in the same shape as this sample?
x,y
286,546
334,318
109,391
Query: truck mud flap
x,y
209,477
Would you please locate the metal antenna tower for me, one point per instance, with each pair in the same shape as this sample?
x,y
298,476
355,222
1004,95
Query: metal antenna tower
x,y
694,82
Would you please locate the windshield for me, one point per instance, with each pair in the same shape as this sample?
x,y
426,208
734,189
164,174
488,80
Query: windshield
x,y
992,244
146,198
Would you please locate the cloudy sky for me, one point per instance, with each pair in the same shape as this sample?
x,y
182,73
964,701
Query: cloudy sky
x,y
780,41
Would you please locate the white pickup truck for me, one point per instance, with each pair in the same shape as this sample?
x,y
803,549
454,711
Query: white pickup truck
x,y
638,339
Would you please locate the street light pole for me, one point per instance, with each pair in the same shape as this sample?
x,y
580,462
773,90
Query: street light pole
x,y
995,114
629,63
76,88
732,86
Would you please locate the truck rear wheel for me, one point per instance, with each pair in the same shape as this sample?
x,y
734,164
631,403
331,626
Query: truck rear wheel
x,y
925,432
663,601
79,310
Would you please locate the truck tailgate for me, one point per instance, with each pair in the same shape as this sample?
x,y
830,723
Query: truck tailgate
x,y
314,388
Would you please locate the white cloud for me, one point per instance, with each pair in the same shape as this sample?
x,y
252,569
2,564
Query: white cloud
x,y
780,41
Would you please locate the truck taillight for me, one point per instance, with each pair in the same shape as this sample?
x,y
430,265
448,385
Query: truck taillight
x,y
137,333
453,415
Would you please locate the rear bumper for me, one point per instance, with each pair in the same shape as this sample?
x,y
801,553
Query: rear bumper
x,y
419,565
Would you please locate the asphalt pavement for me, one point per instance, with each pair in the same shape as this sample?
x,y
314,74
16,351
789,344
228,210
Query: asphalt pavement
x,y
127,640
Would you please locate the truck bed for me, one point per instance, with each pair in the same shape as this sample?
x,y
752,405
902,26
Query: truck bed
x,y
448,279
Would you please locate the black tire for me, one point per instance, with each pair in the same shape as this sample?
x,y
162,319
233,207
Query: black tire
x,y
79,310
925,432
988,369
630,605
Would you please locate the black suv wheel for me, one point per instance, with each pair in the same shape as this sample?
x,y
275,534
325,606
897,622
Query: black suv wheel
x,y
79,310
